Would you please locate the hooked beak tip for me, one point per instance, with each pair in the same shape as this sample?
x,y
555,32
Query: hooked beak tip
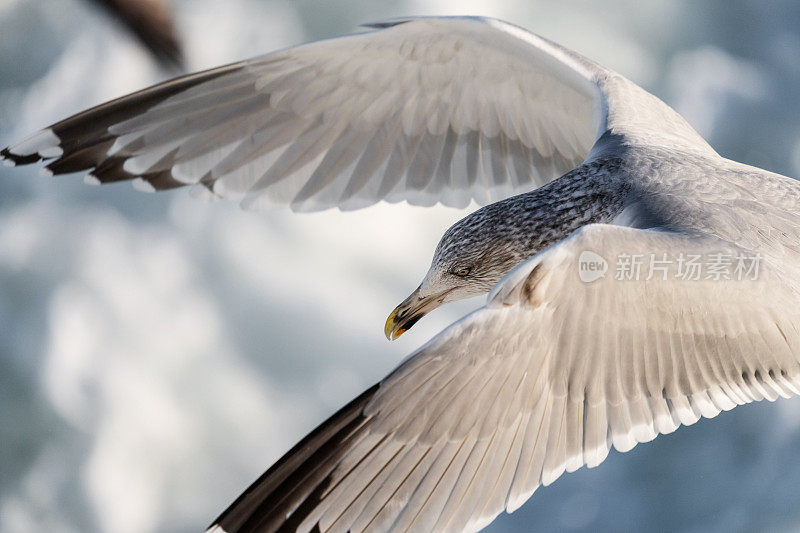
x,y
390,329
411,310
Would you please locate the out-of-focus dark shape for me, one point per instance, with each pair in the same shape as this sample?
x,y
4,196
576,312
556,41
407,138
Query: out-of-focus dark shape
x,y
151,21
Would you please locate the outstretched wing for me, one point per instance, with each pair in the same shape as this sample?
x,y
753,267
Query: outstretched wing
x,y
544,379
428,109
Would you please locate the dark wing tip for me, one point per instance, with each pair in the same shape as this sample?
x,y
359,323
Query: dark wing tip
x,y
11,159
152,24
82,142
286,493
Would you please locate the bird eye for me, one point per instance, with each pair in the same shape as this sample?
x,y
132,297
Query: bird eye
x,y
462,272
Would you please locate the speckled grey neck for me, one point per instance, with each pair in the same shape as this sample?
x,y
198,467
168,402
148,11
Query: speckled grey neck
x,y
502,235
588,194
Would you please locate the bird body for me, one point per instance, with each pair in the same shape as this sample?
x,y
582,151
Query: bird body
x,y
646,283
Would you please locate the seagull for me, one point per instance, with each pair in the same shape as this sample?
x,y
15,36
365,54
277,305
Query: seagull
x,y
636,280
151,22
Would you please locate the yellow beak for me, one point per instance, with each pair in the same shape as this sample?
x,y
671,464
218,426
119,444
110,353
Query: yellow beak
x,y
410,311
390,329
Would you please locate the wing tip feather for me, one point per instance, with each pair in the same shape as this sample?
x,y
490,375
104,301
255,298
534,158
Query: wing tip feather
x,y
257,507
91,179
13,159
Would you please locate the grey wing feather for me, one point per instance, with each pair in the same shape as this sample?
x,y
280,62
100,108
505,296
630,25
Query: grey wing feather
x,y
545,379
393,114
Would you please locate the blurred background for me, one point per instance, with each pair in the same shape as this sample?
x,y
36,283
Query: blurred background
x,y
157,353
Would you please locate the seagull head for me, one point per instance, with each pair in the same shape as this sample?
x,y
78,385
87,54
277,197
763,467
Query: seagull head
x,y
469,260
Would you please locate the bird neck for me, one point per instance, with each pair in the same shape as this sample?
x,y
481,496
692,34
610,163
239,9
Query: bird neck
x,y
591,193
